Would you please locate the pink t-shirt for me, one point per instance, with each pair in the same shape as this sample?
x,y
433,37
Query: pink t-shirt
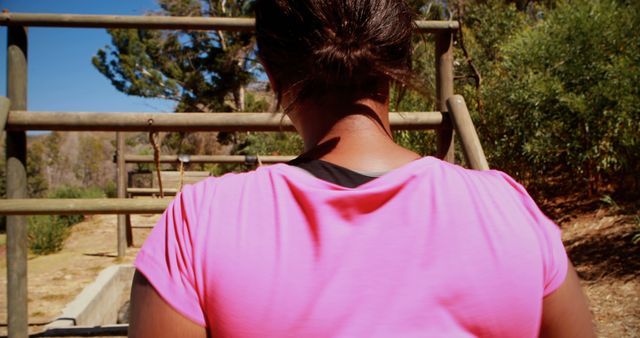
x,y
427,250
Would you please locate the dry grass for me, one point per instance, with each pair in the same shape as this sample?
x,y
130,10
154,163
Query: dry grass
x,y
54,280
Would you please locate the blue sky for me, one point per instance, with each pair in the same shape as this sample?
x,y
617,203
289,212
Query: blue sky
x,y
60,74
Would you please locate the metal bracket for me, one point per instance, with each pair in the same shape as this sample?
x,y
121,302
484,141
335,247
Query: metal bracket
x,y
184,158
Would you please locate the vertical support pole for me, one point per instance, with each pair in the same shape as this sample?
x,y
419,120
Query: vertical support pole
x,y
444,89
129,230
121,181
18,316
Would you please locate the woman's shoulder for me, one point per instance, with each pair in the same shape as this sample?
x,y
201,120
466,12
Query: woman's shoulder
x,y
454,172
228,184
436,172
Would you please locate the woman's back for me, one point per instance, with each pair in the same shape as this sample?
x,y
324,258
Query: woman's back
x,y
429,249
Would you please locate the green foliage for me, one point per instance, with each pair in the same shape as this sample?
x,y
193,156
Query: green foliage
x,y
91,156
75,193
202,71
145,167
110,189
36,181
255,103
47,234
488,26
421,142
278,143
55,163
565,97
197,69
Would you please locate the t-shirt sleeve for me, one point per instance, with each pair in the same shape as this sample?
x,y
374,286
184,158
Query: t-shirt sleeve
x,y
167,256
554,256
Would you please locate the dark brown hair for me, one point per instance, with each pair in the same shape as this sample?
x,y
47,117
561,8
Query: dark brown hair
x,y
314,48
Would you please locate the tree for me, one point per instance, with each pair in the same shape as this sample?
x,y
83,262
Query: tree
x,y
202,71
197,69
89,167
55,163
37,184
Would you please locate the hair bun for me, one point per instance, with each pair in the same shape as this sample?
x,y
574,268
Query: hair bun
x,y
315,48
342,62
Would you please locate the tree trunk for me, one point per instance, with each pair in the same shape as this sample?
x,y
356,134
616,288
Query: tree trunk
x,y
238,96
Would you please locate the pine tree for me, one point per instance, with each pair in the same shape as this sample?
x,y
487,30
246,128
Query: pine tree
x,y
199,70
202,71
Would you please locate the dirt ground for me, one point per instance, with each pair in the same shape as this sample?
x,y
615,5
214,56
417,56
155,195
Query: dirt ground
x,y
608,264
598,242
55,280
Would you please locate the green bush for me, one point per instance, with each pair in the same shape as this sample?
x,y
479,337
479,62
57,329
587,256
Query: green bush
x,y
564,99
110,189
46,234
75,192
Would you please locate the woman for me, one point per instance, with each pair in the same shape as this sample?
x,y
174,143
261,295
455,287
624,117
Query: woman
x,y
358,237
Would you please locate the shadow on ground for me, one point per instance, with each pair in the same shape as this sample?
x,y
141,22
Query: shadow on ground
x,y
606,252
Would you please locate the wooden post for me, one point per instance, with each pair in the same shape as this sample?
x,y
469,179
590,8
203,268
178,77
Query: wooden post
x,y
471,147
444,89
16,153
121,184
129,230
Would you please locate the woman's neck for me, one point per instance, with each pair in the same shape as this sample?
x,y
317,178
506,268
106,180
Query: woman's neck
x,y
357,136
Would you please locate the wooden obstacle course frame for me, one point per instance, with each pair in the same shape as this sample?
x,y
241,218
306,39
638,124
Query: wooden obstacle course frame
x,y
19,120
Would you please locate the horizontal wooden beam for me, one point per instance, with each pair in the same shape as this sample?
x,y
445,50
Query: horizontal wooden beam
x,y
185,122
98,206
126,21
116,330
161,22
133,226
248,159
151,191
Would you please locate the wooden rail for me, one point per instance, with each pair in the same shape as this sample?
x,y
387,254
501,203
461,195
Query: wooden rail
x,y
117,330
151,191
186,122
248,159
98,206
163,22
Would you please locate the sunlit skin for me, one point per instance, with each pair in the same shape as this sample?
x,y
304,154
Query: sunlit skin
x,y
356,136
359,134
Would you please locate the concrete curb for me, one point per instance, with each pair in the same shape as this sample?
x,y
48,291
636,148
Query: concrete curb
x,y
99,302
